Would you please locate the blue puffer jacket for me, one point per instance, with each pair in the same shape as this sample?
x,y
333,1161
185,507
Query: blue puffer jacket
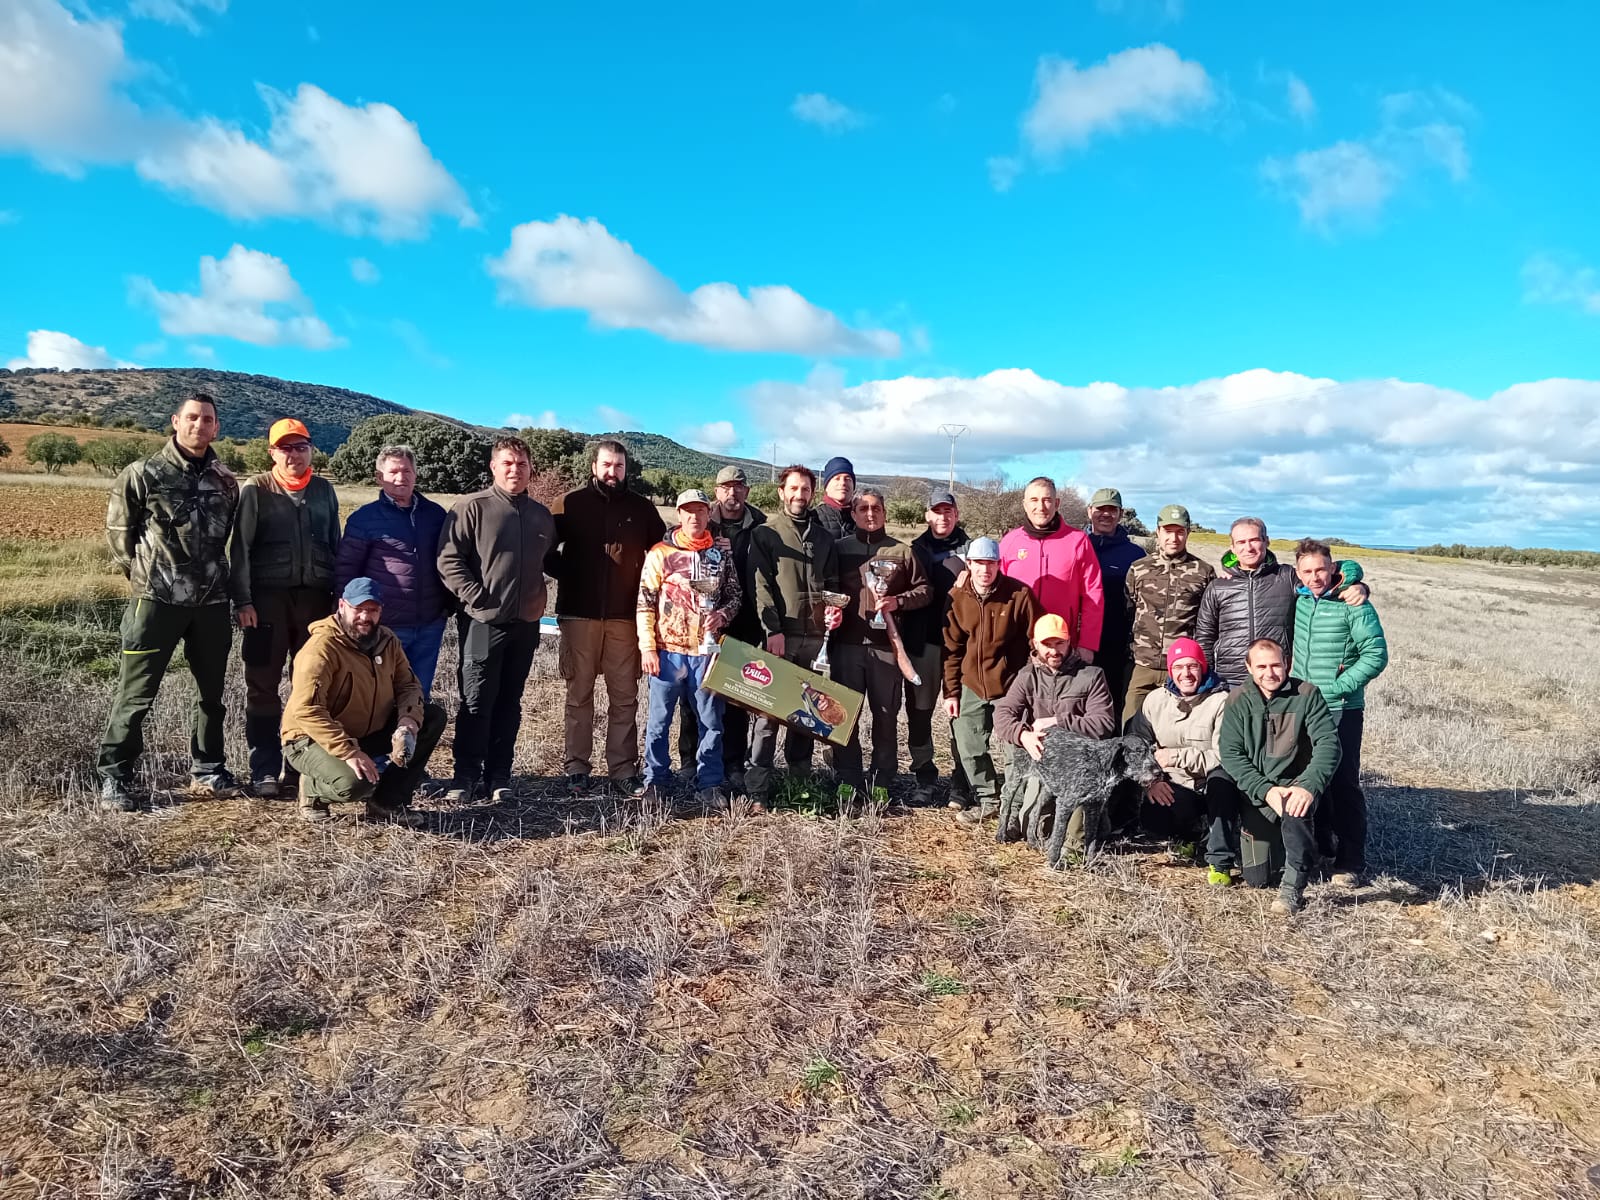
x,y
1116,552
398,549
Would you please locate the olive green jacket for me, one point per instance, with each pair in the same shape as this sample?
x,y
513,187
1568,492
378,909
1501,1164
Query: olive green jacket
x,y
168,525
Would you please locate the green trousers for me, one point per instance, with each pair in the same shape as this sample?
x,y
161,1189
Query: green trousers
x,y
151,632
1141,682
331,780
972,727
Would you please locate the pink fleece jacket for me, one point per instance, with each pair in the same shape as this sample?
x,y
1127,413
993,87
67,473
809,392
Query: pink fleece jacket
x,y
1064,574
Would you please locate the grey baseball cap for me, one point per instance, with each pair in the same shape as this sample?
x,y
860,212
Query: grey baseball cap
x,y
1106,496
1173,514
983,548
693,496
941,496
731,474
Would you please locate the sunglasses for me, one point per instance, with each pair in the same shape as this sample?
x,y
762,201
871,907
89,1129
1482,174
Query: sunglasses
x,y
294,446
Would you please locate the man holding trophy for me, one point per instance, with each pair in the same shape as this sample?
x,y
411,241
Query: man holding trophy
x,y
688,593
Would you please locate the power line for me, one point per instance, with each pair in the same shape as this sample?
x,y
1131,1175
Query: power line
x,y
953,432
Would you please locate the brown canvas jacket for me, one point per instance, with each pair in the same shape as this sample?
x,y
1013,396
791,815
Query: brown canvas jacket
x,y
986,640
342,694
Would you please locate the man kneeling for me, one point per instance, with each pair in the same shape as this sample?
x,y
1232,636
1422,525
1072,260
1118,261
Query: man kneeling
x,y
1280,745
354,697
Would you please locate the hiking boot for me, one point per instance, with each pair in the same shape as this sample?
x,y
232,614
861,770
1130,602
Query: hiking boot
x,y
577,785
974,816
735,784
1217,877
711,797
1289,901
922,795
464,791
265,788
646,793
115,796
311,810
499,791
218,785
403,816
634,786
1347,879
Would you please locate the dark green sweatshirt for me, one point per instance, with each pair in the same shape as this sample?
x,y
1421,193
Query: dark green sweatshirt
x,y
1288,739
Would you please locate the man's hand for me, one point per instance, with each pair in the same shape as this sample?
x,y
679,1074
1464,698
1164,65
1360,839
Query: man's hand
x,y
1167,759
716,622
1033,743
832,617
888,604
1355,596
651,661
1297,801
363,766
952,707
1275,798
775,644
961,579
247,616
1160,792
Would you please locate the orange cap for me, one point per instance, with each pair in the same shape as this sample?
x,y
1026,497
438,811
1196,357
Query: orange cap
x,y
1051,626
282,429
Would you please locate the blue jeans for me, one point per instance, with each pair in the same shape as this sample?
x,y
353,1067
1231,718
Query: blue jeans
x,y
421,644
681,678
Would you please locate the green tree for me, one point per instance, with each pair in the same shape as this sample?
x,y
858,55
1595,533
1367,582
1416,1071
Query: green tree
x,y
906,512
450,458
5,448
52,451
551,448
231,452
765,496
1134,526
108,455
255,455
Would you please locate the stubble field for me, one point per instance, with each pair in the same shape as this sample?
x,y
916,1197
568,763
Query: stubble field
x,y
556,998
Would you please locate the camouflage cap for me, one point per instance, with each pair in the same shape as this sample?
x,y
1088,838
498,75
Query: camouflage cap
x,y
1106,496
1173,514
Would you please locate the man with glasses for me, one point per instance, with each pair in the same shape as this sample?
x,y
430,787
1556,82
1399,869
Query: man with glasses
x,y
167,526
284,545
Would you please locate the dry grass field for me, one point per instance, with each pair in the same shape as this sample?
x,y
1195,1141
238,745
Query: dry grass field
x,y
556,998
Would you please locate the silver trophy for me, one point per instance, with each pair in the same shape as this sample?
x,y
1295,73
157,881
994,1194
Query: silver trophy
x,y
821,663
707,582
881,571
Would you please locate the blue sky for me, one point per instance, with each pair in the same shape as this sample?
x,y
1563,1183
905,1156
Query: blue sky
x,y
1333,263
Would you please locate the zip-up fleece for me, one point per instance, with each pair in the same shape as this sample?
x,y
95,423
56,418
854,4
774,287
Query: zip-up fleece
x,y
604,536
986,637
910,583
1288,739
669,616
1339,648
1189,726
282,541
793,561
342,694
168,524
1077,696
492,552
1060,566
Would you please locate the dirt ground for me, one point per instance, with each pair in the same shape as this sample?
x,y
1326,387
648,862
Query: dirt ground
x,y
571,997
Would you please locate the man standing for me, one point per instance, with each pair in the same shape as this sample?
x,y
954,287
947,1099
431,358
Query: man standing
x,y
168,524
356,726
1058,563
1253,599
986,632
604,531
794,560
1116,552
941,546
732,521
673,630
394,541
1163,598
865,659
491,556
838,494
1280,745
1182,720
284,545
1341,649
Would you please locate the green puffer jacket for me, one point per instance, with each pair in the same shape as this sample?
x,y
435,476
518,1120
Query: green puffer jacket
x,y
1339,648
168,525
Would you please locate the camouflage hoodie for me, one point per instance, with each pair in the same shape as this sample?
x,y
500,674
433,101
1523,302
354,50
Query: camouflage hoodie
x,y
168,526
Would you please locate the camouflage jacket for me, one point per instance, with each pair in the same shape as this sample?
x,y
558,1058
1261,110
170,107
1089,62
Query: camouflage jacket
x,y
1164,600
168,526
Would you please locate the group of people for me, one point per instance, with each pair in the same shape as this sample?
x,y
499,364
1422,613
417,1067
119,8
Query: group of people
x,y
1048,628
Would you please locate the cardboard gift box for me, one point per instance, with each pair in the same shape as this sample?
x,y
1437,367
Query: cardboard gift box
x,y
774,687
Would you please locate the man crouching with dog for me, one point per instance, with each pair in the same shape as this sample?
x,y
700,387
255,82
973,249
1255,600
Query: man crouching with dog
x,y
356,703
1056,689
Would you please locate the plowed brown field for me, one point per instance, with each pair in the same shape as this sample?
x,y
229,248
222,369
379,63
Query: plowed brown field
x,y
51,511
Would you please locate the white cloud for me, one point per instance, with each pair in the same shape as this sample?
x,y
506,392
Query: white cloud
x,y
51,348
713,436
364,270
545,420
176,12
1549,279
579,264
1353,179
247,295
1301,102
417,342
1003,171
823,111
363,168
1406,461
615,418
1142,86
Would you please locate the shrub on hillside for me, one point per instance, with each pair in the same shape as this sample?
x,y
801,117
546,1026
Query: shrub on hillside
x,y
765,496
450,458
109,455
52,451
907,512
5,448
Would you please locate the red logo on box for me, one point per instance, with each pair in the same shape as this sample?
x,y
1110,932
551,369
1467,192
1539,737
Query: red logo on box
x,y
757,673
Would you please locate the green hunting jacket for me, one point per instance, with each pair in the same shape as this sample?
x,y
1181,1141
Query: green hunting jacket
x,y
1164,602
1288,739
168,525
792,562
280,542
1339,648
